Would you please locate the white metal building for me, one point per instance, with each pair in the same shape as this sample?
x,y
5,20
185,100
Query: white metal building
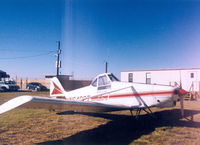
x,y
190,77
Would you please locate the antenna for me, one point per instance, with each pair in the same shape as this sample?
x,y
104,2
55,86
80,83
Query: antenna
x,y
107,58
106,69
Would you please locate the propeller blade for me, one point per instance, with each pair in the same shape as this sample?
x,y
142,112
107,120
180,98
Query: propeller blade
x,y
181,94
182,105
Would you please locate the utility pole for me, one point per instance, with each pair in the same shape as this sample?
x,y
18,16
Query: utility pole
x,y
58,62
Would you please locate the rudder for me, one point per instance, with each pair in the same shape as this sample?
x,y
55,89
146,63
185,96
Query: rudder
x,y
56,88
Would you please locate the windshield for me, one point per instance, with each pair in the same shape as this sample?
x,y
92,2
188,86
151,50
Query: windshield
x,y
94,83
113,78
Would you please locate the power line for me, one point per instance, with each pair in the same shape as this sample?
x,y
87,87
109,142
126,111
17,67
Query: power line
x,y
24,57
21,50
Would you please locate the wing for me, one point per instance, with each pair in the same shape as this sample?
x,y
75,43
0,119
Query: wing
x,y
57,105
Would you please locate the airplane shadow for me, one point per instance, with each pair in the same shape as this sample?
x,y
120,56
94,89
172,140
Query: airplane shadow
x,y
123,129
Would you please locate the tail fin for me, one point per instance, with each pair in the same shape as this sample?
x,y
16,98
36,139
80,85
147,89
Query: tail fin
x,y
56,88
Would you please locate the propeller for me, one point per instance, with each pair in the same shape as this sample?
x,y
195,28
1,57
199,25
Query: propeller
x,y
181,94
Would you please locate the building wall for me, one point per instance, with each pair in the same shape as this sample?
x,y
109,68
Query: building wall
x,y
167,77
74,84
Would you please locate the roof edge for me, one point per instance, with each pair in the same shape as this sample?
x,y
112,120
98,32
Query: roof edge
x,y
169,69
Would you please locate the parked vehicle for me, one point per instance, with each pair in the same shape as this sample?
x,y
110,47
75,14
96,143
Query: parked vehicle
x,y
35,86
8,86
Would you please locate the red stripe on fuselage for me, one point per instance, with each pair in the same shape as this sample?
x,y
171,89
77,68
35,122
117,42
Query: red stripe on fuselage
x,y
135,94
125,95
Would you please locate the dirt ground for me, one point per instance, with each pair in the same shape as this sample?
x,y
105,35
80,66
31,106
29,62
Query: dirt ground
x,y
38,126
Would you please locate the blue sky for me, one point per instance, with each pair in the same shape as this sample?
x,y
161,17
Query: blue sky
x,y
29,28
128,34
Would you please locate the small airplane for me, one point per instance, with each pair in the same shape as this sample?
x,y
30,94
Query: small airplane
x,y
105,93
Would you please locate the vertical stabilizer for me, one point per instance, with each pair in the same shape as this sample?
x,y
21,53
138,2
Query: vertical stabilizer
x,y
56,88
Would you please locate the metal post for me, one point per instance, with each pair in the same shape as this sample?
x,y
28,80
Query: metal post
x,y
21,83
58,59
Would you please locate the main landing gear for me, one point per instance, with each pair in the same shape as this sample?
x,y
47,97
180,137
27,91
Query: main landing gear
x,y
138,111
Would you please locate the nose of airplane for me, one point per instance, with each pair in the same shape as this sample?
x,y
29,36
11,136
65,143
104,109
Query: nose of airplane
x,y
180,92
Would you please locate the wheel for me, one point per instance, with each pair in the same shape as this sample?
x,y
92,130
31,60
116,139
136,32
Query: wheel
x,y
4,89
28,88
36,89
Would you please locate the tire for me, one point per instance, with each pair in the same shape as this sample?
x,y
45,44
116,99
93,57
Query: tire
x,y
4,89
36,89
28,88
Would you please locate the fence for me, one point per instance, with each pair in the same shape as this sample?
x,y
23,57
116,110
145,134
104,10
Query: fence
x,y
22,83
67,84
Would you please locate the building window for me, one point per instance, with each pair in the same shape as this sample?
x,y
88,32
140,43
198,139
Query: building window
x,y
148,78
191,75
130,77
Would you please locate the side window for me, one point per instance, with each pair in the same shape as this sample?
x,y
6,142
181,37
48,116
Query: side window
x,y
103,83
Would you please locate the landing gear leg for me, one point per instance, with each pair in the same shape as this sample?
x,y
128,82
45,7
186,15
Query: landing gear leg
x,y
137,113
148,111
131,110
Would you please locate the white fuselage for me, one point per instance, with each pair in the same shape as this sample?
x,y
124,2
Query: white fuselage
x,y
127,95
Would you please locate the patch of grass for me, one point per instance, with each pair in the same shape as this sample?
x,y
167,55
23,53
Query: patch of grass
x,y
38,126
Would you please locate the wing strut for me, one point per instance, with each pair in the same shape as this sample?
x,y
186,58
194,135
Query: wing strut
x,y
140,101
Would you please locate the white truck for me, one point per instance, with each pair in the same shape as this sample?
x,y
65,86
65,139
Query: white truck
x,y
9,85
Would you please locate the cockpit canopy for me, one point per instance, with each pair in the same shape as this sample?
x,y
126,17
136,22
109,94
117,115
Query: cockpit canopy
x,y
103,81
